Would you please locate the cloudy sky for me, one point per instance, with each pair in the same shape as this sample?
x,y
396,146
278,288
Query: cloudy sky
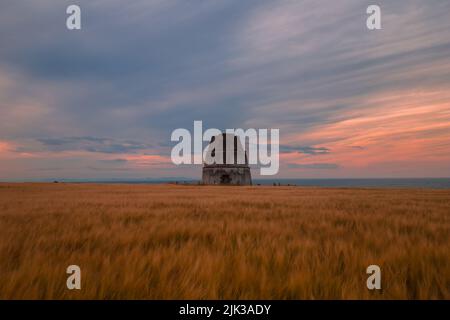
x,y
102,102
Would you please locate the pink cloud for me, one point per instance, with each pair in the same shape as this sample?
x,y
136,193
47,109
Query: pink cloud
x,y
403,127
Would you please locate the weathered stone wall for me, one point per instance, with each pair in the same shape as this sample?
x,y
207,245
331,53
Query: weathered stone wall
x,y
227,175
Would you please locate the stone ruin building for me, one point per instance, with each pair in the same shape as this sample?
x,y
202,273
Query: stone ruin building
x,y
228,162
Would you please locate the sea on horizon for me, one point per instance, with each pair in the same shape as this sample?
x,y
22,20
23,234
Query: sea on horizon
x,y
432,183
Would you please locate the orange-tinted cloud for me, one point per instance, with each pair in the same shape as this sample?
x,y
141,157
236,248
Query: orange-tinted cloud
x,y
392,128
148,160
5,146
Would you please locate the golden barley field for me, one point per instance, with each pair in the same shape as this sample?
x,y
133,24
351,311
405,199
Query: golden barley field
x,y
198,242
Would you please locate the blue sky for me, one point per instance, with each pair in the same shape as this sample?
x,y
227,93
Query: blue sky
x,y
102,102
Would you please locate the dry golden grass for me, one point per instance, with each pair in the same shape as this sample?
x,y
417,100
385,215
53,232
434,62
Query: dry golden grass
x,y
195,242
